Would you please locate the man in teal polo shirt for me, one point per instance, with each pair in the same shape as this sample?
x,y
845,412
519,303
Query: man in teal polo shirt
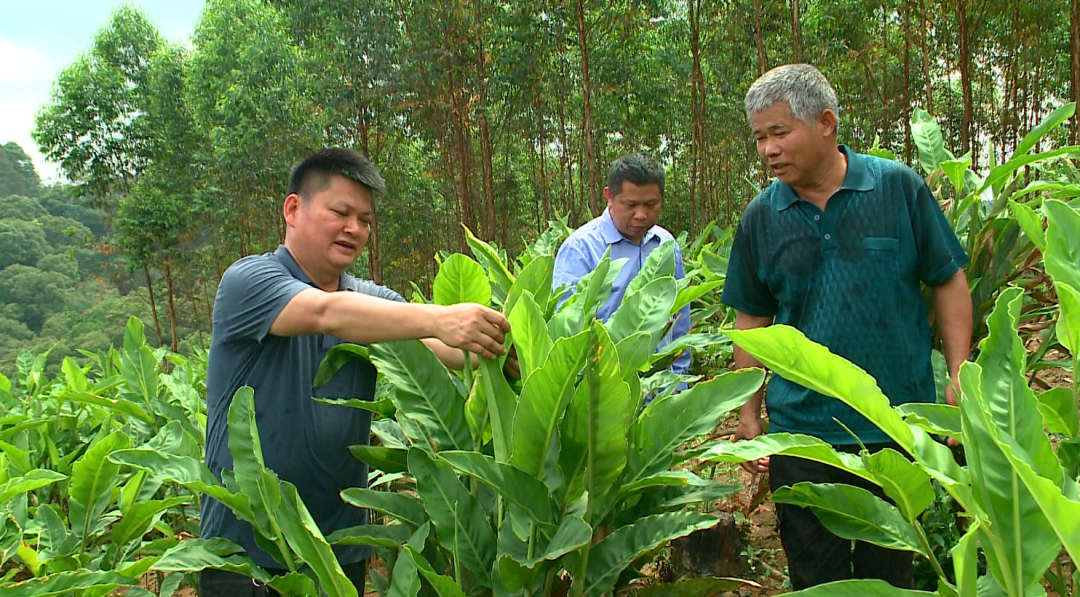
x,y
839,246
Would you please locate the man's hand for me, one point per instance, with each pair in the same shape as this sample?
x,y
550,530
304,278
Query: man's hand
x,y
749,428
512,366
472,327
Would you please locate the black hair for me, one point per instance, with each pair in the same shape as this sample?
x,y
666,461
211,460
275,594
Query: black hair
x,y
312,174
639,169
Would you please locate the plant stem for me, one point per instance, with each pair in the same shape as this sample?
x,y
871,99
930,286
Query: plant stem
x,y
930,552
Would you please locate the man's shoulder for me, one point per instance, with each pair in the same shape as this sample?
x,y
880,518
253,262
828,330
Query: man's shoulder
x,y
891,171
664,235
252,266
763,204
371,288
587,233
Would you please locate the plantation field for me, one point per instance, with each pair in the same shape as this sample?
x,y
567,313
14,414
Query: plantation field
x,y
589,473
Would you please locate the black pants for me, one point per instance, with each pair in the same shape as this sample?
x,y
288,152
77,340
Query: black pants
x,y
218,583
815,555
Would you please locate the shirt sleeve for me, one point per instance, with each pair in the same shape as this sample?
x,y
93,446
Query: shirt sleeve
x,y
570,266
252,293
744,290
378,291
940,254
682,323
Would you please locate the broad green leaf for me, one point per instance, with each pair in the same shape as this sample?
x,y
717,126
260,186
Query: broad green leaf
x,y
715,265
444,585
547,393
490,259
669,422
698,587
955,169
249,469
1030,223
370,534
1005,393
635,352
786,444
692,293
1059,408
1018,539
853,513
593,447
405,579
904,482
530,334
859,588
1069,322
141,516
647,310
1004,172
120,405
659,264
195,555
535,279
32,480
513,484
789,353
927,135
461,280
387,460
75,376
609,558
966,561
691,341
425,391
942,419
93,477
67,583
134,335
186,471
664,479
1048,124
336,358
459,519
384,407
400,506
307,541
501,403
139,368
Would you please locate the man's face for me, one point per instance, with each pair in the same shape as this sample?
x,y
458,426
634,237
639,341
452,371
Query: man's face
x,y
793,150
635,209
329,228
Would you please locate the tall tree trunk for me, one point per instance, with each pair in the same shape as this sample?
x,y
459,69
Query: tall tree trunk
x,y
1074,45
542,137
172,305
485,135
586,113
759,36
966,124
905,99
697,116
926,59
796,36
374,267
153,305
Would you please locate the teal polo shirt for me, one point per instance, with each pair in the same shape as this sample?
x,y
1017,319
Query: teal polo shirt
x,y
849,277
305,442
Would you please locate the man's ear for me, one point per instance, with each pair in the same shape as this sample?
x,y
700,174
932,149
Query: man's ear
x,y
607,195
292,204
828,121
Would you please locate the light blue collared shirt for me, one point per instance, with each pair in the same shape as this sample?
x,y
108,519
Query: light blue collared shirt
x,y
581,253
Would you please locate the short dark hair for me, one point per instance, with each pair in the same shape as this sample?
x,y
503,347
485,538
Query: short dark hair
x,y
639,169
312,174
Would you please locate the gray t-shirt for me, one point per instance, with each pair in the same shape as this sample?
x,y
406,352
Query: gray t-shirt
x,y
305,442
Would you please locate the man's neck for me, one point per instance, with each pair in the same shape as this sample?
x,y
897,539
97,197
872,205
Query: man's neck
x,y
829,180
328,282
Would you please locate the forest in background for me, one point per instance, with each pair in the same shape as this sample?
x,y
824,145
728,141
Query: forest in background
x,y
495,116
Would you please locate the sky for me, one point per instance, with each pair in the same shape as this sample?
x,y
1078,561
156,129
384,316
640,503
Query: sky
x,y
38,38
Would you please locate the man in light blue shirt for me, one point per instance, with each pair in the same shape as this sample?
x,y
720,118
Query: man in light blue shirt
x,y
635,189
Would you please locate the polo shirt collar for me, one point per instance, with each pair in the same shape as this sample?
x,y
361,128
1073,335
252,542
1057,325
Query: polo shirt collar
x,y
611,234
857,178
285,257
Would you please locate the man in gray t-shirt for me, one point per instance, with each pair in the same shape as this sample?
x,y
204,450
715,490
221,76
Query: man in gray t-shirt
x,y
276,316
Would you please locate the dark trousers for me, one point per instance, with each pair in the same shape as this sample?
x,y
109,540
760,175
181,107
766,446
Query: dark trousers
x,y
815,555
218,583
